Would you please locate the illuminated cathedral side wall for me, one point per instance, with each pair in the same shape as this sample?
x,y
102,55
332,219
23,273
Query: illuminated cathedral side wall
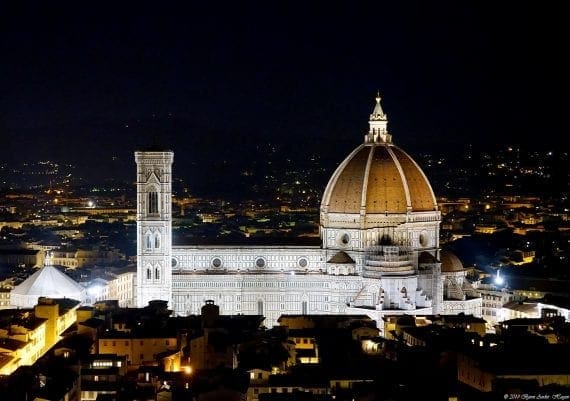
x,y
270,294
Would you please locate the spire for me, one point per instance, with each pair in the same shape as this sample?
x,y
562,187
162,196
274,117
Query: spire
x,y
378,132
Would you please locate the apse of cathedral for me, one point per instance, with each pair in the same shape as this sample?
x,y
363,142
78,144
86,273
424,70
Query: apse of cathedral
x,y
379,252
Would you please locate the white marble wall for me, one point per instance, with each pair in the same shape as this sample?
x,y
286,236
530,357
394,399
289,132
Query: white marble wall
x,y
271,294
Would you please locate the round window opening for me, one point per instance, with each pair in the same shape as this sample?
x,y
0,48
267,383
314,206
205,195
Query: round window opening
x,y
423,239
216,262
345,239
260,262
303,262
174,262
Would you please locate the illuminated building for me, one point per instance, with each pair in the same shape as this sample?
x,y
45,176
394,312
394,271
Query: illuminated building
x,y
27,334
22,257
378,220
140,349
102,374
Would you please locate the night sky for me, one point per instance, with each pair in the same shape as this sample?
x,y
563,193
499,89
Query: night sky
x,y
84,81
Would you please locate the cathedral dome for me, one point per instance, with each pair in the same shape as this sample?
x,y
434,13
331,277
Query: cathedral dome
x,y
378,178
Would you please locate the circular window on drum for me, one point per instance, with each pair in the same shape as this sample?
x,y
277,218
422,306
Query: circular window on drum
x,y
174,263
260,262
217,263
344,239
303,262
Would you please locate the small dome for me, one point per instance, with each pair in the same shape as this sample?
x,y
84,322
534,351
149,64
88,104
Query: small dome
x,y
449,262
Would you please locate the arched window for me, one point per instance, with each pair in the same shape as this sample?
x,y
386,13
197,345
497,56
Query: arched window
x,y
152,202
148,241
157,240
260,307
148,273
304,307
156,274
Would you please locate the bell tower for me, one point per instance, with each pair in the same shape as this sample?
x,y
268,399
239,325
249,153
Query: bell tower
x,y
154,226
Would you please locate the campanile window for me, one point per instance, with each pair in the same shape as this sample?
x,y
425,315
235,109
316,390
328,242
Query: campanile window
x,y
153,202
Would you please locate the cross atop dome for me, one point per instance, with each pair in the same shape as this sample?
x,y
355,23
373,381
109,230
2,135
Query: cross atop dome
x,y
378,132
